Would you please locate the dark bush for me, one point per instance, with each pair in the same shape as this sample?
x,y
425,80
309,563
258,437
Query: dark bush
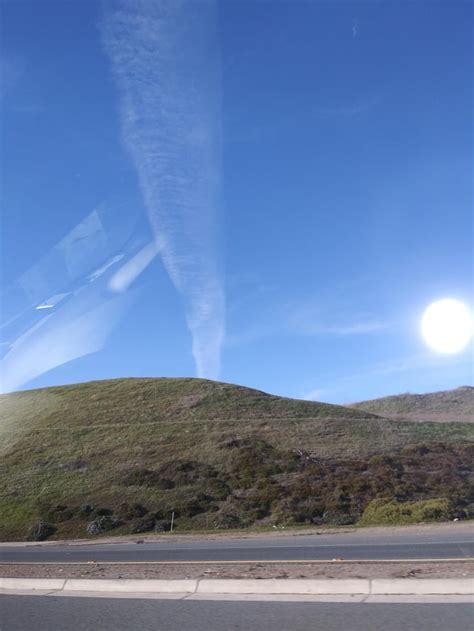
x,y
468,511
142,525
227,519
102,511
59,513
235,443
85,510
40,531
163,525
254,458
131,511
148,478
202,503
420,450
253,511
187,472
339,518
218,489
102,524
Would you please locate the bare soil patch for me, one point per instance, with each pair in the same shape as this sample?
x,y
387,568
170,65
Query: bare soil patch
x,y
461,569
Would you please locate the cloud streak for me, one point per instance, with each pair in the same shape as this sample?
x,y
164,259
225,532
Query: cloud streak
x,y
333,320
351,328
163,55
353,108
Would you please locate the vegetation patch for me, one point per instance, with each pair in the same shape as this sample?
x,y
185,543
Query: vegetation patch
x,y
122,456
40,531
391,512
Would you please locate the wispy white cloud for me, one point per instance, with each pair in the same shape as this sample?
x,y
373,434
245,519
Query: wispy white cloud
x,y
306,320
353,108
362,327
164,58
332,319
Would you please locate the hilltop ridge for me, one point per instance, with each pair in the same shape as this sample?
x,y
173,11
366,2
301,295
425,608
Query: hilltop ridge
x,y
441,407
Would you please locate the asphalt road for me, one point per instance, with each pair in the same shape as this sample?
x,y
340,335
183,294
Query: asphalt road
x,y
350,546
37,613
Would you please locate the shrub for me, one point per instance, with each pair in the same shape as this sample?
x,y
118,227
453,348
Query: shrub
x,y
339,518
102,524
85,510
40,531
163,525
420,450
386,511
218,489
131,511
59,513
254,458
468,511
187,472
200,504
147,478
101,511
226,519
142,525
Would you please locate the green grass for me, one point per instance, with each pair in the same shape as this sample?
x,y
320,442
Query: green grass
x,y
75,444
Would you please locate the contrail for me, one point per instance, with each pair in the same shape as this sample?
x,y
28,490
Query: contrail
x,y
164,57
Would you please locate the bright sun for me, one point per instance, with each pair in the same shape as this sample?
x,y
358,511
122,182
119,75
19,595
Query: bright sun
x,y
447,326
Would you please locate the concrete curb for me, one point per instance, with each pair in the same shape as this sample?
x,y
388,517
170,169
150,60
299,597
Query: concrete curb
x,y
160,586
367,587
423,586
283,586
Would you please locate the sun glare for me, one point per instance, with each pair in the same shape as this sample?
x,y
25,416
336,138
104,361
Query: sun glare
x,y
447,326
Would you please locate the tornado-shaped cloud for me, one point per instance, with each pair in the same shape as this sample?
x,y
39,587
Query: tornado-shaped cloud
x,y
164,57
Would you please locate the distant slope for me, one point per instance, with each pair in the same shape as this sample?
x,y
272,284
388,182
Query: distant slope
x,y
159,401
166,442
166,409
439,407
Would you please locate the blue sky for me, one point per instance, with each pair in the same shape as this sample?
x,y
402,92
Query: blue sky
x,y
268,193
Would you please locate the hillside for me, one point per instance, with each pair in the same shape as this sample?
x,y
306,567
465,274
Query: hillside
x,y
440,407
124,454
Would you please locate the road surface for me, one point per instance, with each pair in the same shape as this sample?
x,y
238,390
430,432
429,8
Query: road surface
x,y
37,613
355,545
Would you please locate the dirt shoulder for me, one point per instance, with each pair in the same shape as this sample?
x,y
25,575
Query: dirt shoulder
x,y
427,529
335,569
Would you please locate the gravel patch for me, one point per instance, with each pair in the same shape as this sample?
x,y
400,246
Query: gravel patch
x,y
463,569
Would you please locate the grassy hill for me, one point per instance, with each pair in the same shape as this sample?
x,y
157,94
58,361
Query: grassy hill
x,y
440,407
123,454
